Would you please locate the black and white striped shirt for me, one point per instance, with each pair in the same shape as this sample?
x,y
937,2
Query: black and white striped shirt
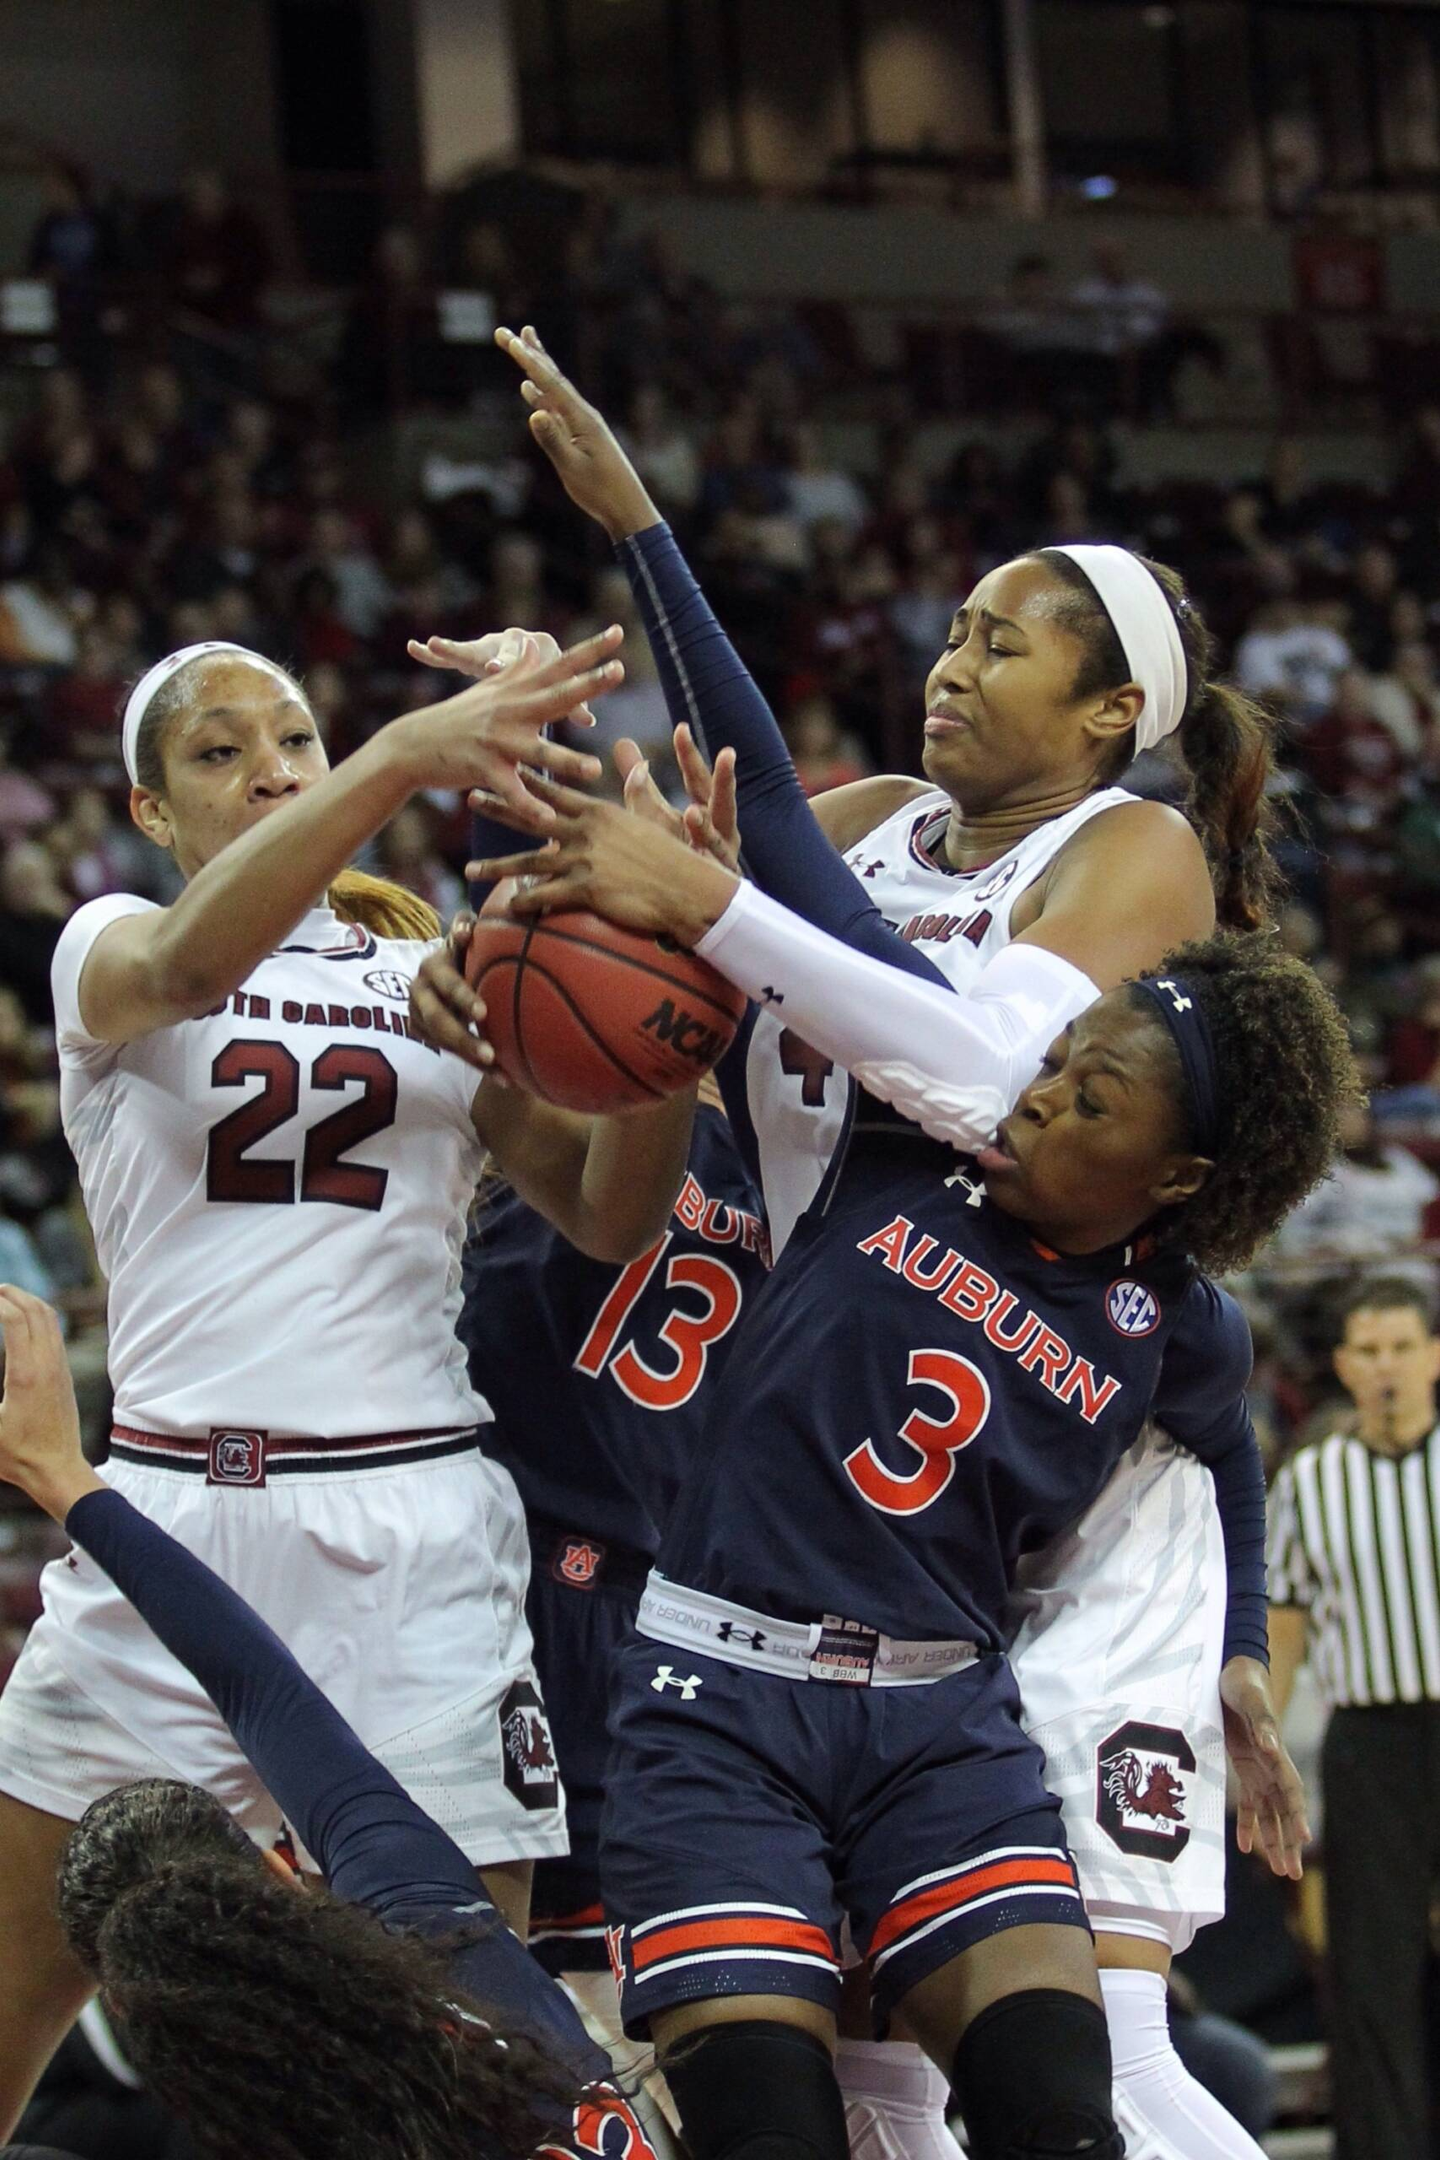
x,y
1355,1541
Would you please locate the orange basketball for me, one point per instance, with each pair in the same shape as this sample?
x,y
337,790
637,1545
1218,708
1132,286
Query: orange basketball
x,y
592,1017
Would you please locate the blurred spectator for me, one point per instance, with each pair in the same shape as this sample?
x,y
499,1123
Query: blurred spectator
x,y
83,704
218,258
1371,1207
33,909
407,853
825,756
41,611
391,352
1406,698
1292,660
819,488
662,451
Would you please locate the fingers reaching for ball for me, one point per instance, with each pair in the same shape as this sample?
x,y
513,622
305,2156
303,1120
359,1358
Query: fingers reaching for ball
x,y
443,1006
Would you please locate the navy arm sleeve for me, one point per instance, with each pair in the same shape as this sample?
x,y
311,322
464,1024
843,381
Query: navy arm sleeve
x,y
1201,1402
375,1845
707,684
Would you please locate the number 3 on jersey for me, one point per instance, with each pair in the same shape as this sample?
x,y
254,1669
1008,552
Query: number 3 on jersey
x,y
937,1441
688,1336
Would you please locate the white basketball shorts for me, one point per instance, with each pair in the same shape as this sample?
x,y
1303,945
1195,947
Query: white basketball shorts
x,y
1118,1653
400,1591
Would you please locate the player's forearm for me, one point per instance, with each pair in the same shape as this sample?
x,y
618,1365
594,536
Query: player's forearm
x,y
954,1063
634,1168
1288,1638
240,906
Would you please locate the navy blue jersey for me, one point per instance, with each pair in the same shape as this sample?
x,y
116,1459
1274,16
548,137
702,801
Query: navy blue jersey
x,y
595,1372
925,1394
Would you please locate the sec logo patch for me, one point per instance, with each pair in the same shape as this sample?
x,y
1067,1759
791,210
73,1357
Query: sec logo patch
x,y
1132,1309
388,982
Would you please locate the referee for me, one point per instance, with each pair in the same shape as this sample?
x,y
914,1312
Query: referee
x,y
1355,1587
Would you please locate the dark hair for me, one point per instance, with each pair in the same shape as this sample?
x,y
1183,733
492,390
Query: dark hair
x,y
1226,739
380,905
1285,1072
1385,1293
293,2026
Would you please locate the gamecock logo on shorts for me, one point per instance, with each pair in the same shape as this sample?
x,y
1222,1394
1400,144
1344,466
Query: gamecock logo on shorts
x,y
578,1563
527,1756
236,1458
1140,1795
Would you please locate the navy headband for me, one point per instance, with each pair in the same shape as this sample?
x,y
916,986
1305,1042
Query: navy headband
x,y
1184,1015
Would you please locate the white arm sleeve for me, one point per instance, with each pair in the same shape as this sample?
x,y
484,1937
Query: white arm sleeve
x,y
952,1061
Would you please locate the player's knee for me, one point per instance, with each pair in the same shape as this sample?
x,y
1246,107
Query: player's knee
x,y
757,2090
1032,2079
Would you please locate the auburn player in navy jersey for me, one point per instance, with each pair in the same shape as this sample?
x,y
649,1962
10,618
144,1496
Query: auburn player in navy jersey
x,y
1025,876
948,1362
459,2048
599,1378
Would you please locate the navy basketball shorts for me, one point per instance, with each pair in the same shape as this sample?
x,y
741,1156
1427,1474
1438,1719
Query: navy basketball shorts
x,y
581,1608
748,1815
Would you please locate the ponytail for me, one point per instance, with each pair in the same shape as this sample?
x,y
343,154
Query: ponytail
x,y
1226,740
382,907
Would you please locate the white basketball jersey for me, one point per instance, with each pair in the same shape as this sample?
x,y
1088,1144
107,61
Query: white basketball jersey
x,y
960,919
278,1193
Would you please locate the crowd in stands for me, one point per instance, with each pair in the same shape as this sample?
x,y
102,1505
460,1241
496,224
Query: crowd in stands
x,y
188,476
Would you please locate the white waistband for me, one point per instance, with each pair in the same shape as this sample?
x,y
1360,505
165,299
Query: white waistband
x,y
828,1649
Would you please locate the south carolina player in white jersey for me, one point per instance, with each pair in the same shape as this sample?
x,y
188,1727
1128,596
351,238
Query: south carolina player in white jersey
x,y
1060,667
277,1166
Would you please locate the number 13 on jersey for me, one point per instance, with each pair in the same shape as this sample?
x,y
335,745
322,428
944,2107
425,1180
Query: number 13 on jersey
x,y
686,1335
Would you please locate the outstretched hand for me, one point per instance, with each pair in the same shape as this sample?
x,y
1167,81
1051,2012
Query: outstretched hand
x,y
708,822
491,655
594,471
40,1447
600,856
1272,1798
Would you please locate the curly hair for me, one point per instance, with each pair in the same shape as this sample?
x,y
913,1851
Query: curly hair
x,y
1286,1072
379,905
291,2025
1226,739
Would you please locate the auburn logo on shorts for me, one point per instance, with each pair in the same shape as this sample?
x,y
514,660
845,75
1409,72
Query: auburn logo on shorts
x,y
526,1751
1140,1794
577,1562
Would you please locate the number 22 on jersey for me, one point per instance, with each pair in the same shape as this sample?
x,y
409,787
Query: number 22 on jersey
x,y
937,1441
686,1335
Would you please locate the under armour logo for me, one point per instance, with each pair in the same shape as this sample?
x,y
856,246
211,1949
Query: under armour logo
x,y
974,1190
665,1676
728,1632
771,996
871,868
1181,1004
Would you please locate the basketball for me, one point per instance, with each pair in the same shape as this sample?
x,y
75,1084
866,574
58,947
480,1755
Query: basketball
x,y
592,1017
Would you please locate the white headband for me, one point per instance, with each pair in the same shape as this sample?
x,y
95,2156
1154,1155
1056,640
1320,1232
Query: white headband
x,y
138,702
1142,619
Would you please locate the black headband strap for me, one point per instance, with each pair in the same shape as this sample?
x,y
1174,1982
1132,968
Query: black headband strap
x,y
1175,1001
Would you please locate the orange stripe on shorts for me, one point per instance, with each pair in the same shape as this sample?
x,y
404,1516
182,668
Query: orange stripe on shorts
x,y
770,1934
948,1896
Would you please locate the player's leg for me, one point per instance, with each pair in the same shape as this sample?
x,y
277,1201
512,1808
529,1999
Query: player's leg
x,y
1164,2111
507,1885
42,1989
966,1905
753,2078
725,1925
896,2100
